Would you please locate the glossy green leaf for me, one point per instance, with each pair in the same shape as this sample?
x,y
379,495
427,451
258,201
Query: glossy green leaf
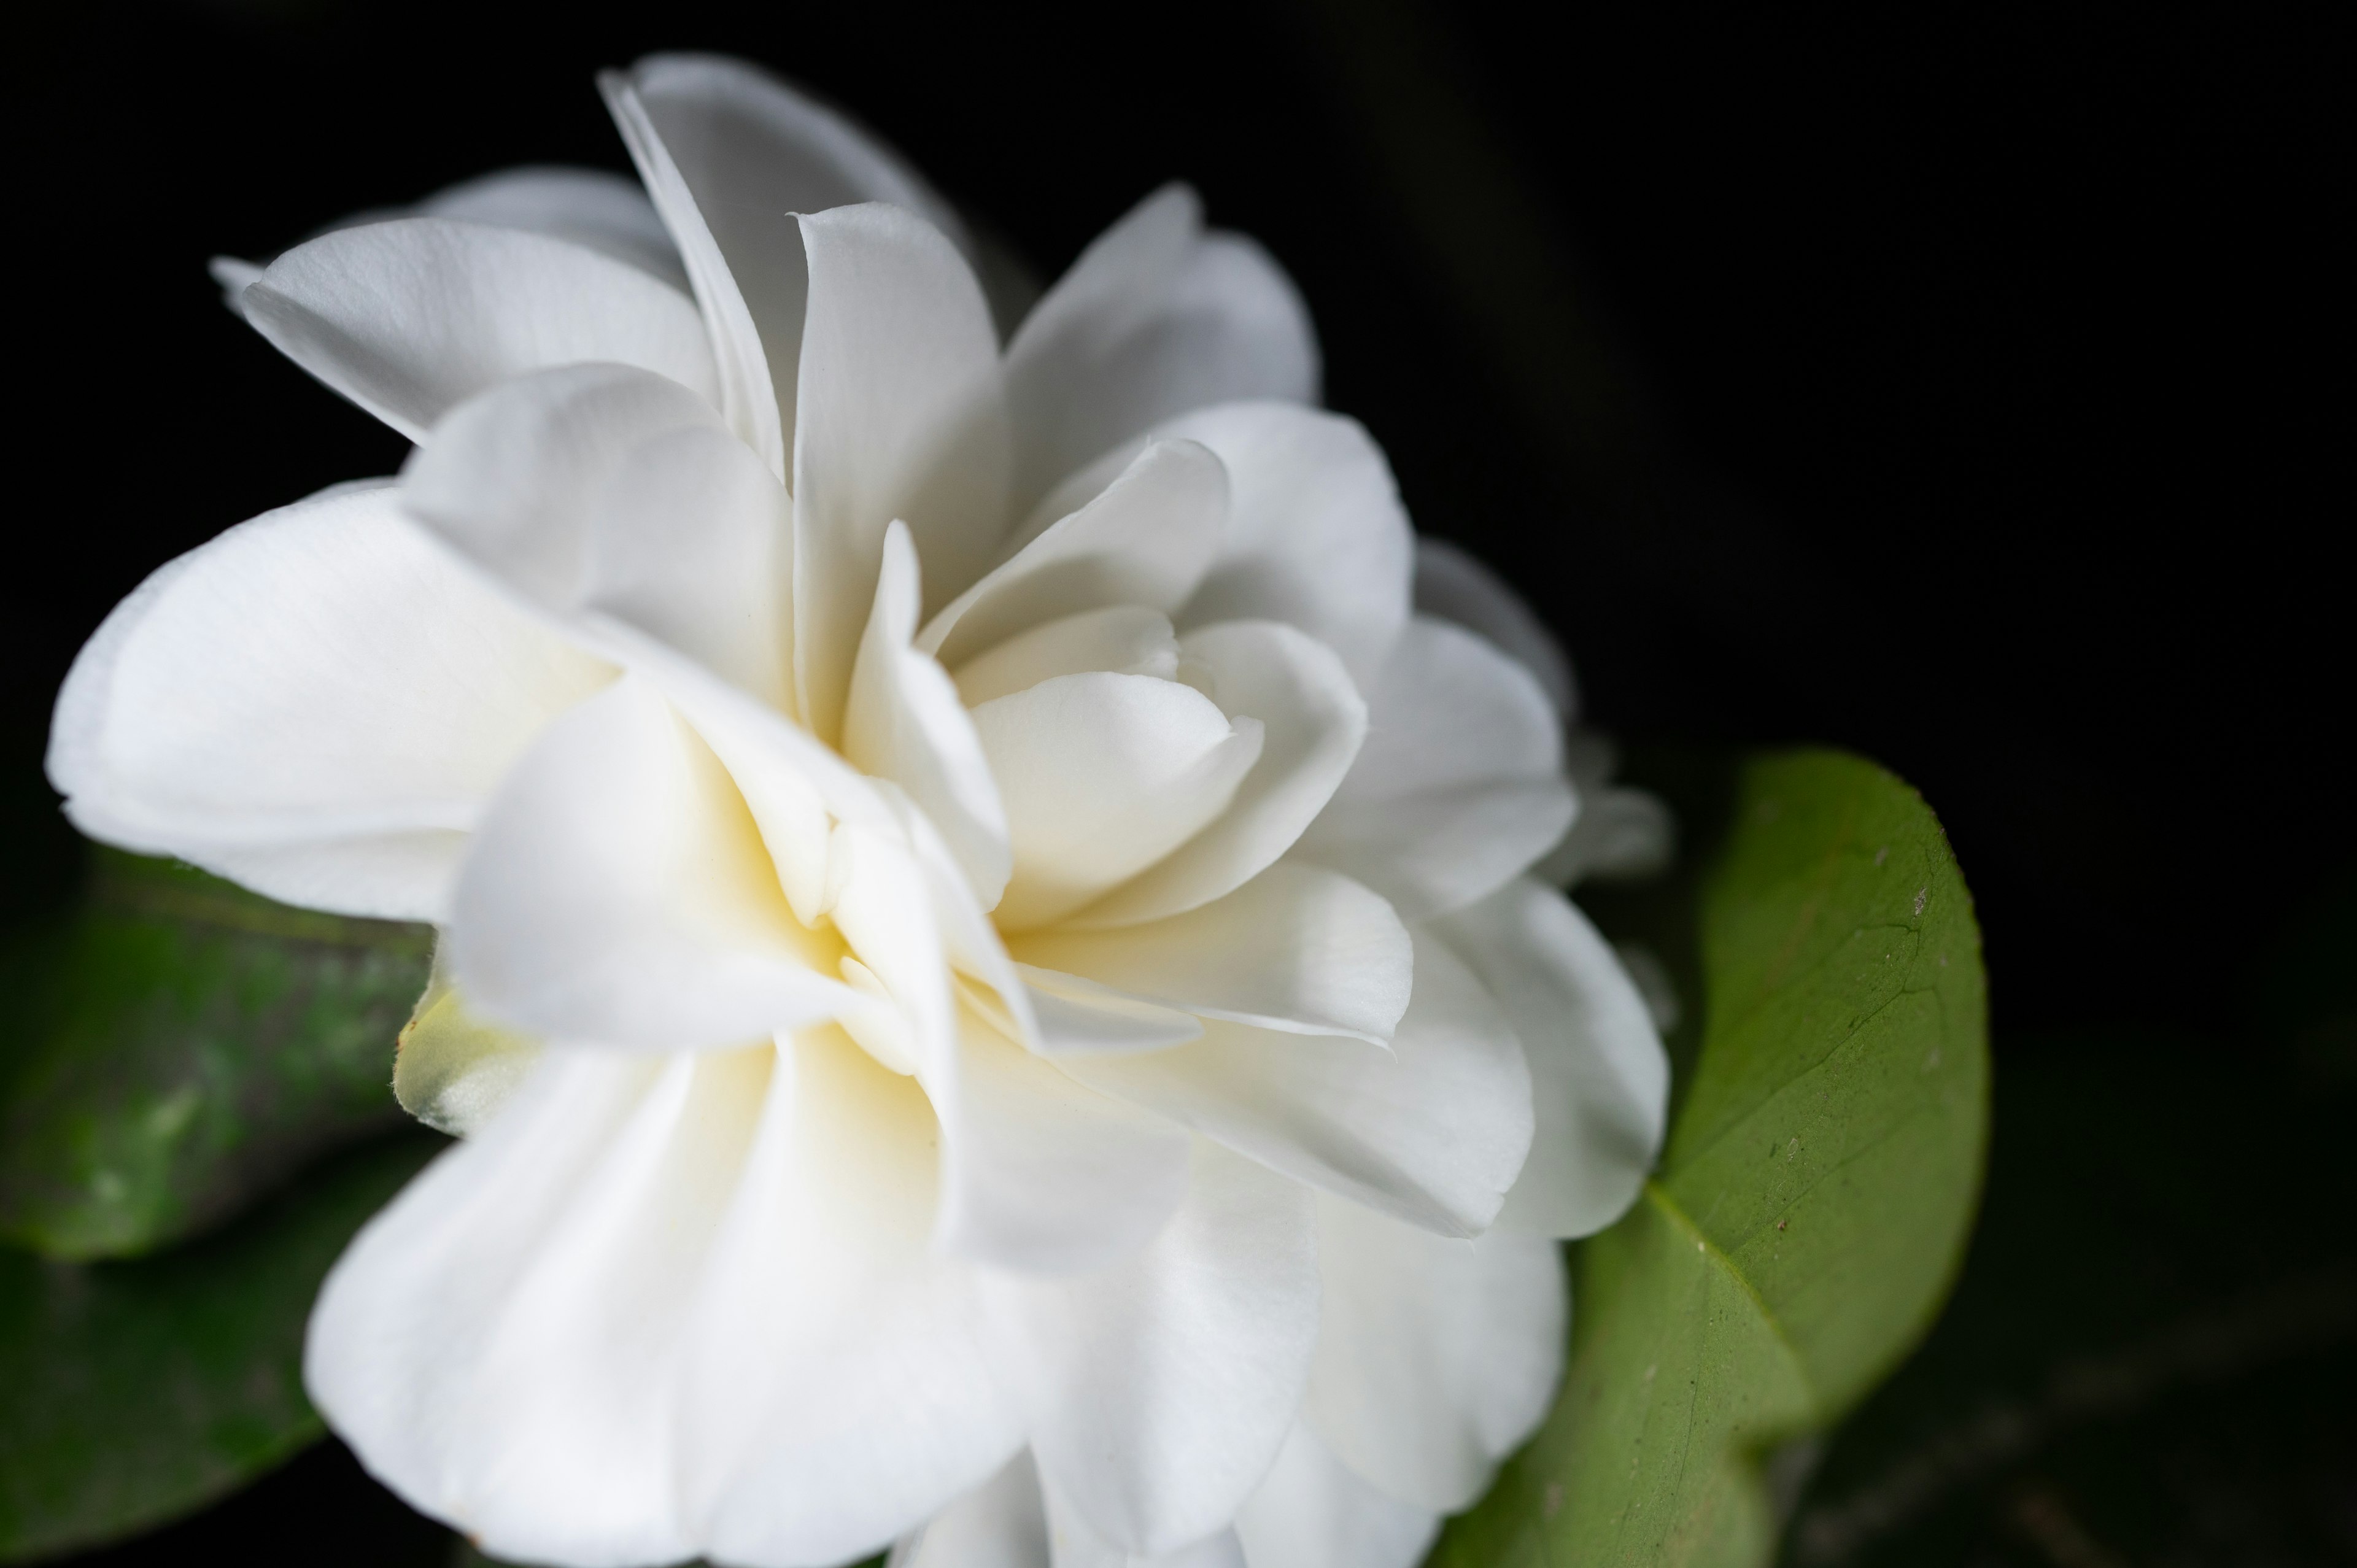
x,y
137,1390
177,1045
1823,1166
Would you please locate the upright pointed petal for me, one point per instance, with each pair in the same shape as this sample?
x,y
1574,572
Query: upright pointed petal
x,y
1436,1357
1600,1079
618,893
590,207
1160,1388
317,702
904,723
902,419
1317,536
1455,586
409,318
1312,721
1157,317
1433,1130
1313,1512
1460,784
1296,948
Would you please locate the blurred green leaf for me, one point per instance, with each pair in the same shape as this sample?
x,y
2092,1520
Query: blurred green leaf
x,y
177,1045
138,1390
1822,1164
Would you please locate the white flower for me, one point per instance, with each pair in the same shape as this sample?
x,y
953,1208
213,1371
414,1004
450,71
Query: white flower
x,y
1025,937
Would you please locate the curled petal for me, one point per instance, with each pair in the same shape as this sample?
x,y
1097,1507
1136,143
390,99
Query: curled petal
x,y
1459,785
1312,721
1600,1079
318,704
619,893
408,318
1160,1388
1157,317
1433,1130
1436,1357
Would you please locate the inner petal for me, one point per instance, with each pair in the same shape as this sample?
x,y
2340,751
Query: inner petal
x,y
1103,774
1126,639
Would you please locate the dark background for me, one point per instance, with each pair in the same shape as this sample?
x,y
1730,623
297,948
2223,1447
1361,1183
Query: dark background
x,y
1966,387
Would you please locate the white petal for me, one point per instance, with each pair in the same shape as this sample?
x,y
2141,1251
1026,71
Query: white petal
x,y
1455,586
904,723
901,419
1003,1523
1073,1542
1620,833
1312,724
1433,1130
1145,541
1317,536
1312,1513
1436,1357
1123,641
1161,1387
1049,1175
1296,948
1103,776
1076,1014
317,702
1460,784
1599,1080
409,318
842,1386
618,893
747,384
752,152
589,207
1157,317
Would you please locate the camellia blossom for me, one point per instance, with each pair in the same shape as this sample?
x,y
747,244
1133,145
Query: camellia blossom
x,y
991,977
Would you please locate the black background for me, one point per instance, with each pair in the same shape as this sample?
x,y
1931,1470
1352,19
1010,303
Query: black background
x,y
1964,386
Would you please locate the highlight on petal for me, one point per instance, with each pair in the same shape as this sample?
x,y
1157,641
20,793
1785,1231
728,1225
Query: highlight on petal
x,y
1453,585
1296,948
1103,776
1460,784
1159,1389
903,421
618,893
1600,1079
318,702
1144,541
1433,1130
1157,317
1436,1357
1313,1512
1317,537
410,317
1312,722
586,206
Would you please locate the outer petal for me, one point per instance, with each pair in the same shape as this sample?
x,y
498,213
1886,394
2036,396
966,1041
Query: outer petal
x,y
1157,317
1146,540
1296,948
1313,1512
1312,721
1433,1130
905,722
1435,1358
1460,783
1621,832
1317,536
1003,1523
1600,1079
1162,1387
732,154
1455,586
589,207
618,893
410,317
902,419
317,702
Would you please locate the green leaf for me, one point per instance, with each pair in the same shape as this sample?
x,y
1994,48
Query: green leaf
x,y
138,1390
177,1046
1824,1161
